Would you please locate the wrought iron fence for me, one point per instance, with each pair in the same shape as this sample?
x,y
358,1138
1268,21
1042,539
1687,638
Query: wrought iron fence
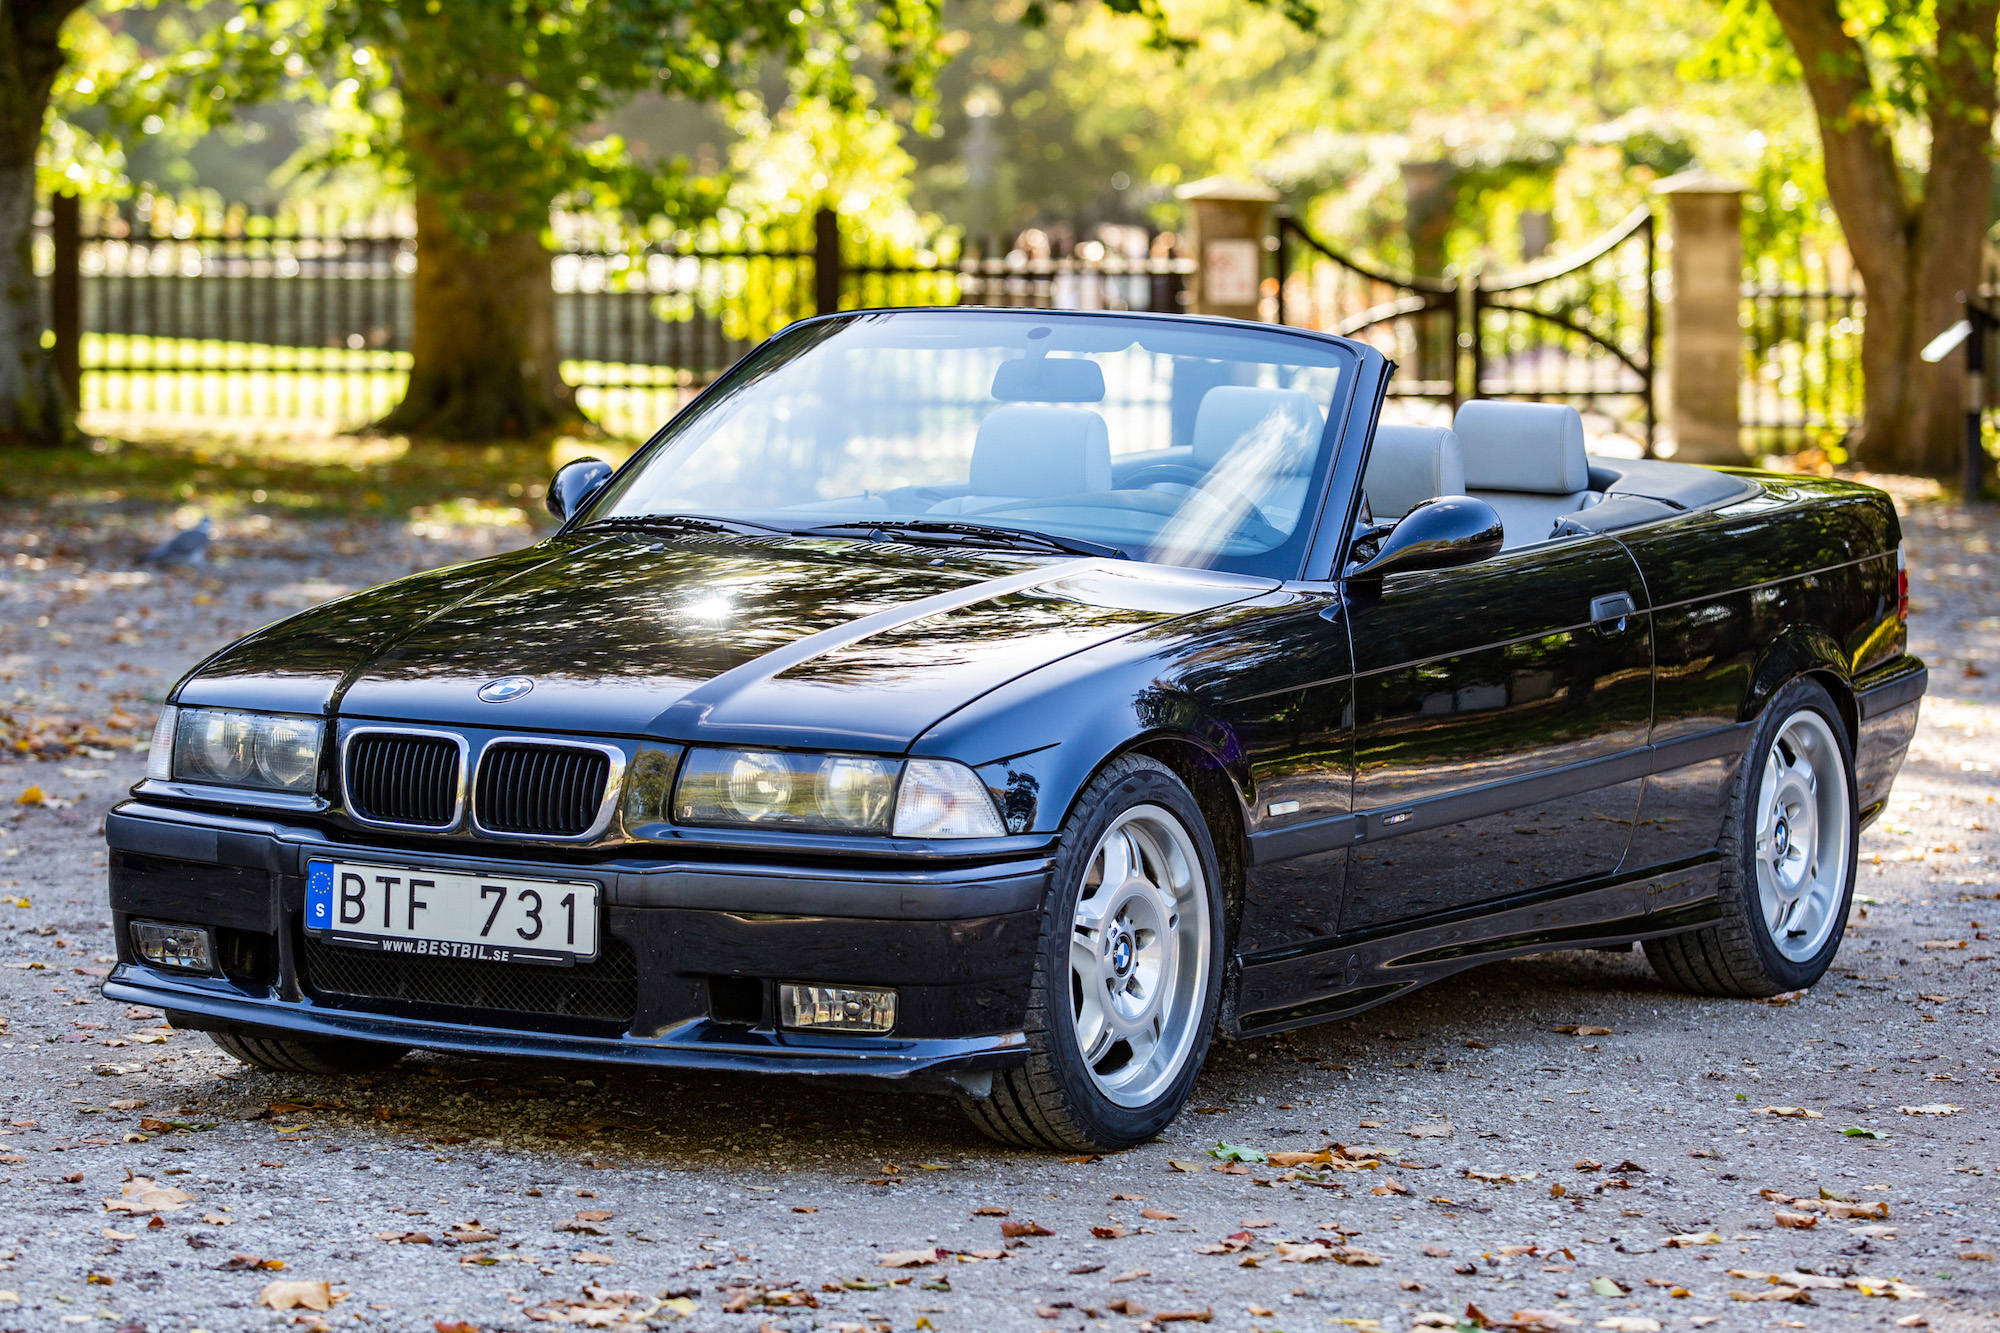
x,y
233,313
1802,385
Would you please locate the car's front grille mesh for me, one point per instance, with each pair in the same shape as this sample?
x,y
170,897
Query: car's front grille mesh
x,y
396,779
604,990
551,791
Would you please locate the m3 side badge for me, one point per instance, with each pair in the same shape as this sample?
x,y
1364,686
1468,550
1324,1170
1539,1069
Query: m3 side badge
x,y
505,689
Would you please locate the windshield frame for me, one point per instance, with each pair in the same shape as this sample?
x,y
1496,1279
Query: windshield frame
x,y
1284,561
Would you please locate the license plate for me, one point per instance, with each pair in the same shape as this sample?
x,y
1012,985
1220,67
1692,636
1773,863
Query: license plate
x,y
444,914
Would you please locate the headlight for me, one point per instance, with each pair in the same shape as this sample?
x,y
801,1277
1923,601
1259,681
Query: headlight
x,y
829,793
834,793
273,751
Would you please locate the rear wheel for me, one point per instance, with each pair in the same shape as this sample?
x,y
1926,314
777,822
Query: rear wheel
x,y
1788,847
293,1055
1128,975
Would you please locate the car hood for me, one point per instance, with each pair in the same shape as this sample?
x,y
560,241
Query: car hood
x,y
816,642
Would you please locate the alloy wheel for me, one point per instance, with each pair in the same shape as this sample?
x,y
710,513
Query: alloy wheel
x,y
1803,836
1139,955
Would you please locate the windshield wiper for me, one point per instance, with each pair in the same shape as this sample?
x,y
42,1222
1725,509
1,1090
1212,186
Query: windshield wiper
x,y
977,532
682,523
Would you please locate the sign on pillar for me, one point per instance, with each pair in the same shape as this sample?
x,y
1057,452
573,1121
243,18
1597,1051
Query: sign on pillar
x,y
1228,219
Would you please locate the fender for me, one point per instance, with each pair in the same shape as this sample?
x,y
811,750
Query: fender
x,y
1798,650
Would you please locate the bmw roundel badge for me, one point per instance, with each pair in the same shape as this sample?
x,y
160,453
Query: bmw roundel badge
x,y
505,689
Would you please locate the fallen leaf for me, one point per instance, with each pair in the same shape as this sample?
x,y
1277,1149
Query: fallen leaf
x,y
1112,1232
1389,1187
1927,944
110,1234
1186,1166
1438,1251
1930,1108
915,1258
1585,1030
1605,1286
250,1263
1133,1275
1201,1316
1857,1132
1436,1130
990,1211
1588,1165
141,1195
1630,1323
1788,1112
300,1296
1159,1215
591,1257
1012,1229
1692,1239
1795,1221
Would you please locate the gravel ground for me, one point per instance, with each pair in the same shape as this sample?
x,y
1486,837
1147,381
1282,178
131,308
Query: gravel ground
x,y
451,1192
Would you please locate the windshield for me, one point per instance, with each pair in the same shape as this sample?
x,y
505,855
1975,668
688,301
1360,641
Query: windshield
x,y
1173,442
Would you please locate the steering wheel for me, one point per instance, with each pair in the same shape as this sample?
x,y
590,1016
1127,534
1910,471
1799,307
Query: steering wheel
x,y
1180,474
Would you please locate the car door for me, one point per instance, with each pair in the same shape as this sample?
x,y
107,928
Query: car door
x,y
1500,728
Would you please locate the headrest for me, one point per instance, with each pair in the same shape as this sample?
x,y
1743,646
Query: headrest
x,y
1033,451
1411,464
1232,415
1534,447
1050,379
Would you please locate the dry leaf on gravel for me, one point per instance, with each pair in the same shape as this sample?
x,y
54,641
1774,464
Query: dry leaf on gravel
x,y
1795,1221
1201,1316
589,1257
1159,1215
1788,1112
1185,1166
294,1295
1630,1323
1930,1108
1389,1187
1585,1030
1014,1229
1691,1239
1133,1275
990,1211
141,1195
1112,1232
1435,1130
912,1258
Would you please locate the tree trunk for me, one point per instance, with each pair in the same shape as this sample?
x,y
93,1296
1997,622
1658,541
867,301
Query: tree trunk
x,y
1914,258
484,344
33,407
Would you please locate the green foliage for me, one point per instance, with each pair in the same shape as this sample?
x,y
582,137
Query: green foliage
x,y
496,107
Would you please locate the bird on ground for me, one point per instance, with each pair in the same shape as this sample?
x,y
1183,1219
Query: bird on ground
x,y
189,547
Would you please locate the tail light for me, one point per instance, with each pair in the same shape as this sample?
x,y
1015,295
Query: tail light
x,y
1902,585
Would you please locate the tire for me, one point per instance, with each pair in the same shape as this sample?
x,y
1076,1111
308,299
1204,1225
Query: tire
x,y
1789,837
294,1055
1151,949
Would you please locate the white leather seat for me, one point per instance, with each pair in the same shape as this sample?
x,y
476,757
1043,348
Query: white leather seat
x,y
1232,417
1411,464
1028,451
1526,460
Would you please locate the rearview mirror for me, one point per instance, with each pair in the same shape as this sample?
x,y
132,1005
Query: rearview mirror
x,y
1438,533
575,483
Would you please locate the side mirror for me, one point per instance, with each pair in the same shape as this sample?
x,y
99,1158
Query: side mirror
x,y
574,484
1438,533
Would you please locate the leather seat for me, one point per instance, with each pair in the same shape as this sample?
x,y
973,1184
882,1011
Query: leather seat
x,y
1526,460
1030,451
1285,423
1410,464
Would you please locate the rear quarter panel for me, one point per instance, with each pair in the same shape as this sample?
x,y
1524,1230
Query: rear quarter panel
x,y
1799,578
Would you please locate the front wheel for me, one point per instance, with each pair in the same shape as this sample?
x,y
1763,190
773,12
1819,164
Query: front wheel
x,y
282,1054
1128,974
1788,859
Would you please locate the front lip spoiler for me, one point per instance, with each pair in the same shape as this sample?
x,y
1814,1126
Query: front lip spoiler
x,y
696,1044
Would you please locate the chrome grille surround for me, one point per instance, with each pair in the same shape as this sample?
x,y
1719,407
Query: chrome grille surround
x,y
508,810
451,788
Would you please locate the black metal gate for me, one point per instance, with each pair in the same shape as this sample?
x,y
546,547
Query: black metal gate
x,y
1580,328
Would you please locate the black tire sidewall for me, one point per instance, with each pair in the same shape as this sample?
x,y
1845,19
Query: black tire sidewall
x,y
1102,1120
1798,696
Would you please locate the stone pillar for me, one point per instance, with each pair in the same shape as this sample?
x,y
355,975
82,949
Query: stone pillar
x,y
1703,361
1228,219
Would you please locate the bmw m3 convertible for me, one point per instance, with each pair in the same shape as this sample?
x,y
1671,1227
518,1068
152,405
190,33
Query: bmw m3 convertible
x,y
1009,702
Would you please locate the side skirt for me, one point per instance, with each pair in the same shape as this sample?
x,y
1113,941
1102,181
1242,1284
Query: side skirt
x,y
1298,985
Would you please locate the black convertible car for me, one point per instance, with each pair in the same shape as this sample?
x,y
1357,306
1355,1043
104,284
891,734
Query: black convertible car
x,y
1006,702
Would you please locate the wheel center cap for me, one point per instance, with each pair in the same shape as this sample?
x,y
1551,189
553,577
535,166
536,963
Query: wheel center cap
x,y
1119,955
1781,837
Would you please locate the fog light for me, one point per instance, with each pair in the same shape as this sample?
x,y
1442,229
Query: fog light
x,y
184,948
836,1008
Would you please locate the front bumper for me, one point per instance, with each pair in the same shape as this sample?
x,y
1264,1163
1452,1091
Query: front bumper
x,y
694,952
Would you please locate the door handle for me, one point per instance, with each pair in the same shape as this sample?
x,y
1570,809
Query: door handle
x,y
1612,606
